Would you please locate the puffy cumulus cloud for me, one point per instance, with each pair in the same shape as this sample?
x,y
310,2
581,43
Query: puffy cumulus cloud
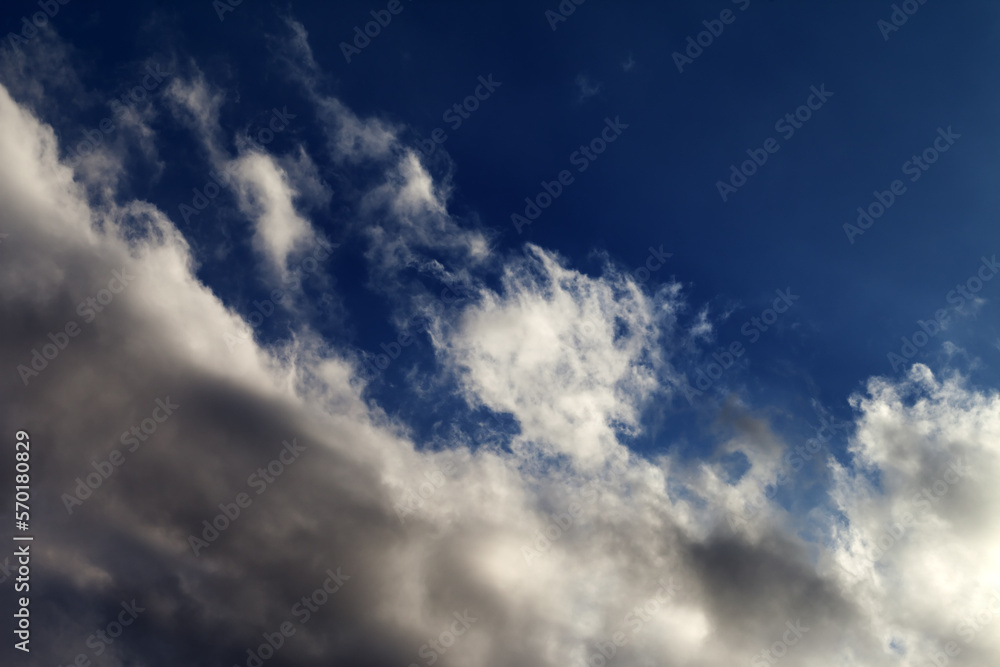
x,y
161,337
572,357
921,542
564,549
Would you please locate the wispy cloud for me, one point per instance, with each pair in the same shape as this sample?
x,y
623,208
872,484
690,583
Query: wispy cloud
x,y
586,87
572,360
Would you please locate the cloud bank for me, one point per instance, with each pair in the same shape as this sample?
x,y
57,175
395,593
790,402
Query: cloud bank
x,y
274,498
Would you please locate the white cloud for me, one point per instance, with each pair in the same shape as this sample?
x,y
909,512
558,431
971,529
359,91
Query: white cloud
x,y
420,232
572,357
266,195
268,188
196,101
920,548
350,138
586,87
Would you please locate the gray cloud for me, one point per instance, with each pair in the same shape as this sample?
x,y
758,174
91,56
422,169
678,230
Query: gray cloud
x,y
545,347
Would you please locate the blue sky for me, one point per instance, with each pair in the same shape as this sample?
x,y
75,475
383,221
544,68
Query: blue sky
x,y
529,160
658,184
783,229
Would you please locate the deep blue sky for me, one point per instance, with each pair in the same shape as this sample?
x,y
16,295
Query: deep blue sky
x,y
657,183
